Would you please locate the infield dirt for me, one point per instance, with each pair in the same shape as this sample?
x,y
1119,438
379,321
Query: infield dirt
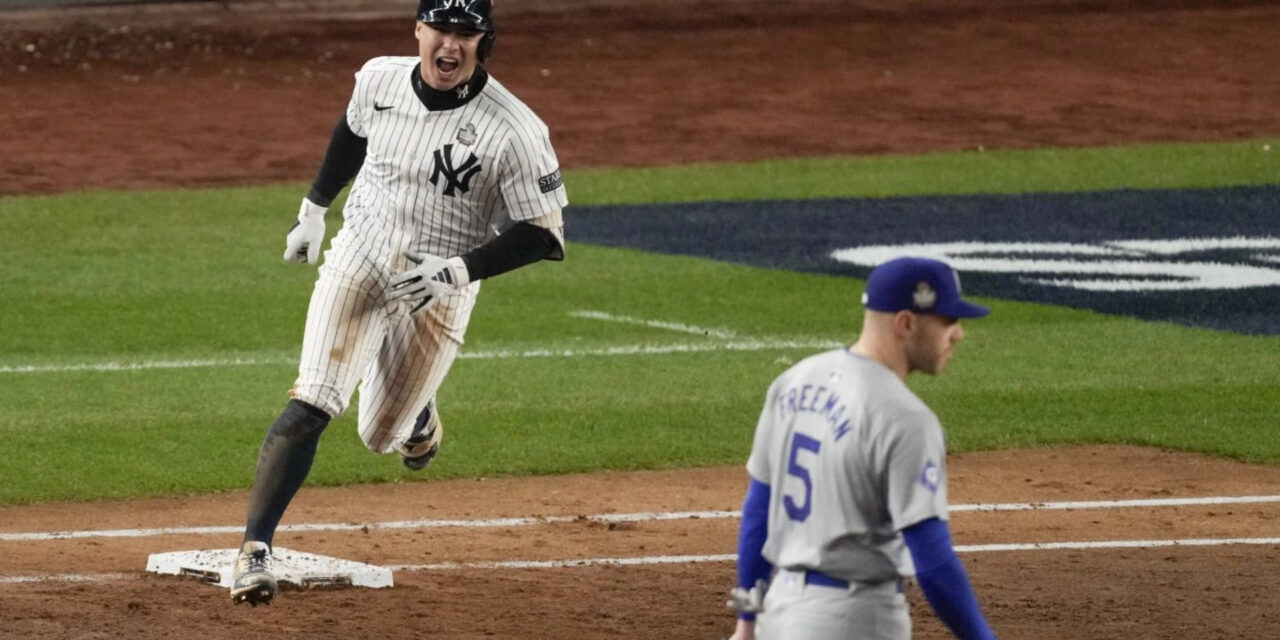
x,y
202,97
1164,593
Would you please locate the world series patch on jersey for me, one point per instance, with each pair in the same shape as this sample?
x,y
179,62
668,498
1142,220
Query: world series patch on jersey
x,y
443,173
453,177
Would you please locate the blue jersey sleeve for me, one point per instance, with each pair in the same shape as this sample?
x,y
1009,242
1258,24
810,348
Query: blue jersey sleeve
x,y
944,581
752,565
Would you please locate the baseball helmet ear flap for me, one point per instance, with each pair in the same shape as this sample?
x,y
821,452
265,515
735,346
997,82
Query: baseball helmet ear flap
x,y
486,46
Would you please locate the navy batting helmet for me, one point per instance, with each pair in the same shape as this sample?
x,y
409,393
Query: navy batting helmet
x,y
467,14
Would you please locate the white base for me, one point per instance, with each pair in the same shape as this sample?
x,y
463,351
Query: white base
x,y
302,570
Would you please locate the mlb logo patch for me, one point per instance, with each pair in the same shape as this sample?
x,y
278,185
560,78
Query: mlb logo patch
x,y
929,476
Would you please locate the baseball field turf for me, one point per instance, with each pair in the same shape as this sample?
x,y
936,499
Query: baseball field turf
x,y
150,337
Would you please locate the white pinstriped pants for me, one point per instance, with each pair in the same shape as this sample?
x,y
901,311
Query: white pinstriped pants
x,y
355,335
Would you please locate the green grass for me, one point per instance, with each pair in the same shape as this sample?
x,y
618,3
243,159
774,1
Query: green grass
x,y
170,276
1171,166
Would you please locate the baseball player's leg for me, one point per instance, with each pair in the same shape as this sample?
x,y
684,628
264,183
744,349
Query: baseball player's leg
x,y
784,594
402,378
881,613
794,610
424,440
346,322
283,464
340,319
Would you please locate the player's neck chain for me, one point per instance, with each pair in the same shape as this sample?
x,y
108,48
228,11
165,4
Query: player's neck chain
x,y
453,98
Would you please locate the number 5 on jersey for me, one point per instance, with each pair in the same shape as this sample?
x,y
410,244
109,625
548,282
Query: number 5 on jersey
x,y
800,512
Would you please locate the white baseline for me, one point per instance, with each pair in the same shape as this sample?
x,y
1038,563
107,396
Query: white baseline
x,y
723,334
764,344
694,559
613,517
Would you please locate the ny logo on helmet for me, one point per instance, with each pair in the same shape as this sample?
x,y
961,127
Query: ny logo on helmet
x,y
466,6
457,178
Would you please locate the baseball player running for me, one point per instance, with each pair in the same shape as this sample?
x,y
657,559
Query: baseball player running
x,y
848,475
443,158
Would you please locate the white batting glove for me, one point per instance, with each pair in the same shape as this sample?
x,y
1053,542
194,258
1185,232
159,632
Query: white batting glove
x,y
433,277
748,600
306,235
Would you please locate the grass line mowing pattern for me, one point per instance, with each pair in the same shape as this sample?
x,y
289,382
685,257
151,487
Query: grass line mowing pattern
x,y
112,277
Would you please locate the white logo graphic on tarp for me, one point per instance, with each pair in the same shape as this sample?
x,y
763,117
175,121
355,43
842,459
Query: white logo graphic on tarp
x,y
1121,265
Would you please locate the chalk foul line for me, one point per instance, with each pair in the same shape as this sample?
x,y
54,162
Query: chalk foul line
x,y
611,517
768,344
373,526
566,563
733,557
695,559
1115,504
723,334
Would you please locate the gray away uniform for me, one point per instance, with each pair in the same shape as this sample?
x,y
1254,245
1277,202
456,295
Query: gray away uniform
x,y
852,457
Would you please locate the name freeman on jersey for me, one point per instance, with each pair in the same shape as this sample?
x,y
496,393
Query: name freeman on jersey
x,y
808,399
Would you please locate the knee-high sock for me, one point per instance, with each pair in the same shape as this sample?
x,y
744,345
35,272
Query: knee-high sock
x,y
283,464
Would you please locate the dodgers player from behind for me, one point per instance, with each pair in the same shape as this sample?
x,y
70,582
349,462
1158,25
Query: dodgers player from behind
x,y
848,476
444,157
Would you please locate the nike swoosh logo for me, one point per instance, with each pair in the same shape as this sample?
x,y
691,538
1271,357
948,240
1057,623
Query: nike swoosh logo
x,y
378,107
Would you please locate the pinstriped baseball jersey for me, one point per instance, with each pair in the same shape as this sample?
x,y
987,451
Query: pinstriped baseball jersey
x,y
852,457
444,182
453,181
434,181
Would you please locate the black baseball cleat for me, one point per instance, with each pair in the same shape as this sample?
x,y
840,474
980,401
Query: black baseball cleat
x,y
253,581
421,448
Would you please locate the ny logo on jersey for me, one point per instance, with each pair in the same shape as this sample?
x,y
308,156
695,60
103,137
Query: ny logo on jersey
x,y
458,178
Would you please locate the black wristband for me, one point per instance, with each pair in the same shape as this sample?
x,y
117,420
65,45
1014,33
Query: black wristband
x,y
516,247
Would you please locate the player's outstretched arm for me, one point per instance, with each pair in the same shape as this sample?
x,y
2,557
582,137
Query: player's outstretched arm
x,y
426,283
306,235
341,163
522,244
944,581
